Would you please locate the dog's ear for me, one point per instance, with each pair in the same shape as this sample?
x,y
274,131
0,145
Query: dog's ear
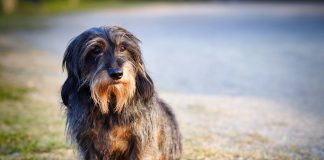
x,y
67,88
71,57
71,64
144,87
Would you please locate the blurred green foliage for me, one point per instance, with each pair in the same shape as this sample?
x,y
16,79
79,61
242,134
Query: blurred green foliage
x,y
30,14
55,6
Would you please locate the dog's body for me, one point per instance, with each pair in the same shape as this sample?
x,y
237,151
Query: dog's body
x,y
113,111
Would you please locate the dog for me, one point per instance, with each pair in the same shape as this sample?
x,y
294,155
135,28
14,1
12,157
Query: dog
x,y
113,111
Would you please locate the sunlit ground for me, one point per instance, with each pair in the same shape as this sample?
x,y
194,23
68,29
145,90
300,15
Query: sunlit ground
x,y
244,80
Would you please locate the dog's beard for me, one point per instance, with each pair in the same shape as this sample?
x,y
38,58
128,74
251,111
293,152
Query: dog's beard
x,y
104,90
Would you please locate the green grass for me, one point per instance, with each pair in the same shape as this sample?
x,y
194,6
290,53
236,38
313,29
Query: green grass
x,y
27,128
11,93
17,142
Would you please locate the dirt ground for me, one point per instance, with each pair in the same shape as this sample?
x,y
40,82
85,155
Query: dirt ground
x,y
213,127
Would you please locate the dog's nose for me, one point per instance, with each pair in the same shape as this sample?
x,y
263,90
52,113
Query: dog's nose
x,y
115,73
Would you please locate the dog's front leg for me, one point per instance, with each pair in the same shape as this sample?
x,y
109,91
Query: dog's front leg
x,y
90,154
143,152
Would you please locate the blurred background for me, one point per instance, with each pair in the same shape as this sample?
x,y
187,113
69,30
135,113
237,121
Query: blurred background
x,y
244,78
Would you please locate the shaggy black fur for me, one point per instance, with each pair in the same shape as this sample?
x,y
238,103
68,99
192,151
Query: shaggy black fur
x,y
111,117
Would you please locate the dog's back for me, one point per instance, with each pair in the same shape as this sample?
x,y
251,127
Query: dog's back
x,y
170,138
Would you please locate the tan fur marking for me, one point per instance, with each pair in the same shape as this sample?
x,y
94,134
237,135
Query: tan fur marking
x,y
119,138
162,157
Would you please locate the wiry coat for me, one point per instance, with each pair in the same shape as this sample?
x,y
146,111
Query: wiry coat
x,y
122,120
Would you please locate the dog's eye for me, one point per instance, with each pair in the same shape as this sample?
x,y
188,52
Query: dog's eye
x,y
96,50
122,48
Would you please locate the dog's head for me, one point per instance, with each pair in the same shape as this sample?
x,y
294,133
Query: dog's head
x,y
108,61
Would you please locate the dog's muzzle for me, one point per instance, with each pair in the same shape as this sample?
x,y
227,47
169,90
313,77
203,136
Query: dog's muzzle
x,y
115,73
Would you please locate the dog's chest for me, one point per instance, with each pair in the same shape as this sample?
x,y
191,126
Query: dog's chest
x,y
119,139
114,142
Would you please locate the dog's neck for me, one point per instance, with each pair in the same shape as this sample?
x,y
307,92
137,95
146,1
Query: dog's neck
x,y
129,113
